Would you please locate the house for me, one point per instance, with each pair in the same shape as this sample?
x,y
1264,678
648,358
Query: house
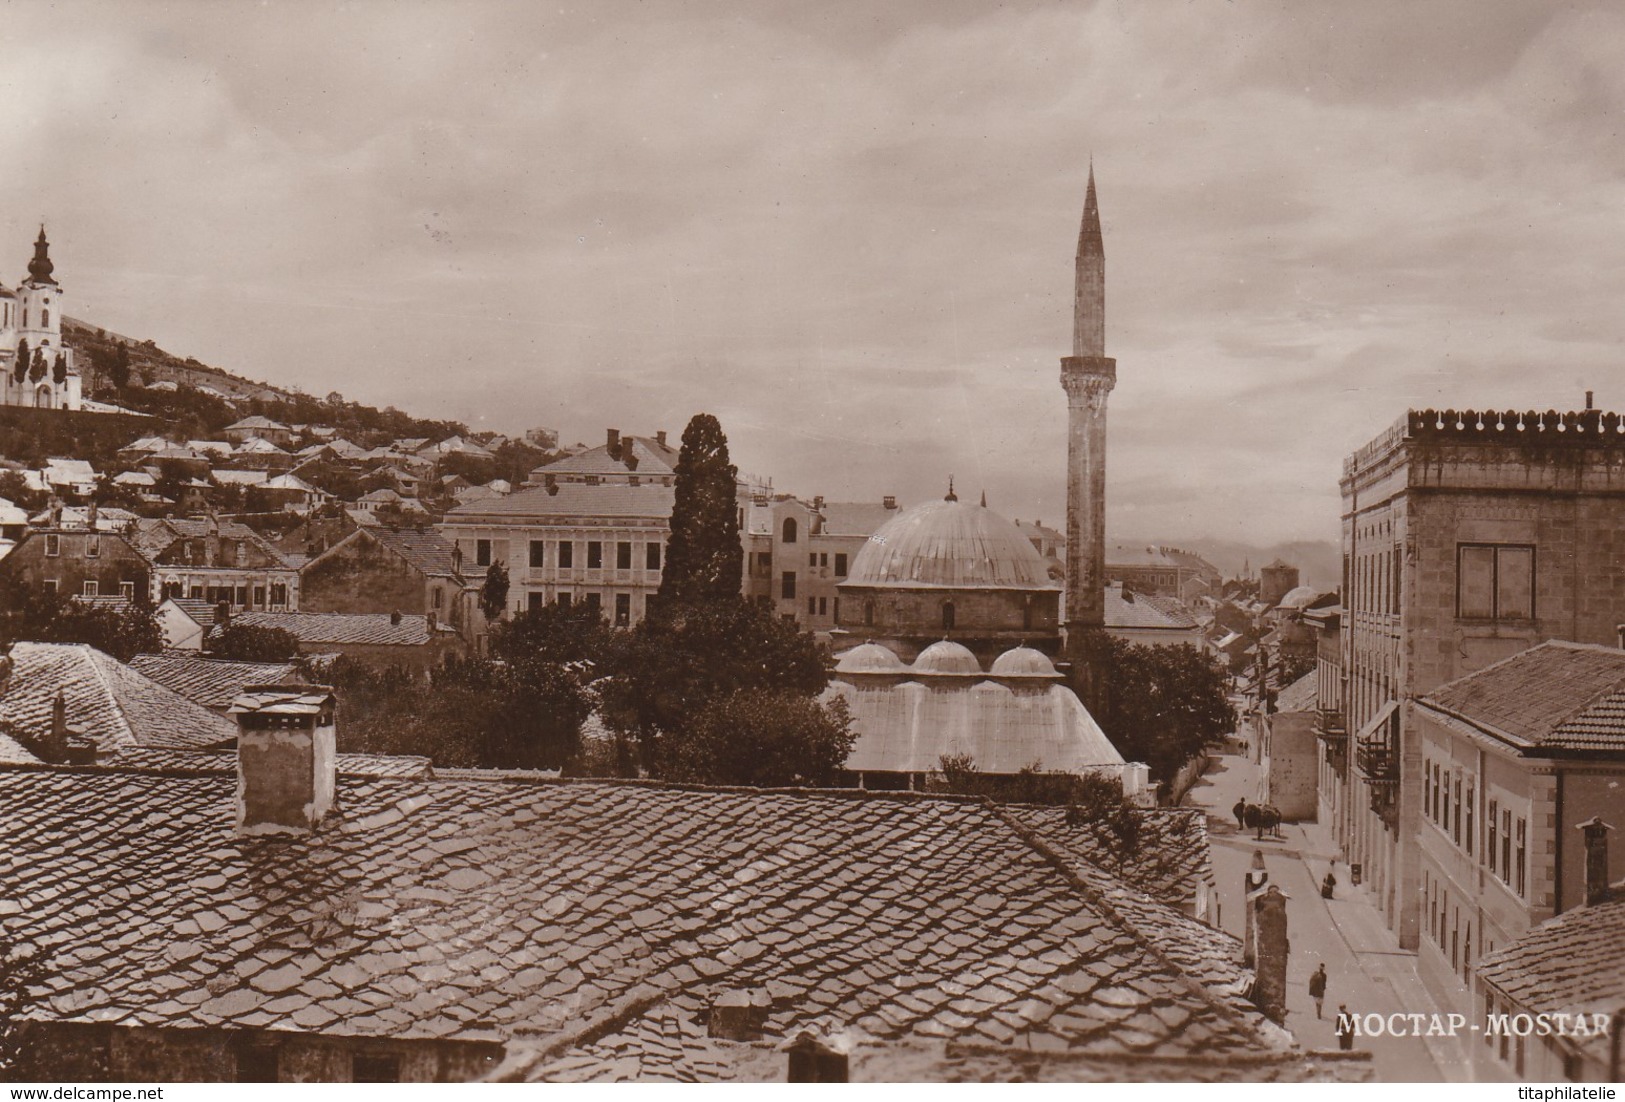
x,y
214,449
384,928
416,642
1288,750
1159,571
69,477
106,706
779,530
185,621
1512,759
216,561
259,428
1149,620
410,570
77,561
620,460
293,493
374,500
261,455
454,445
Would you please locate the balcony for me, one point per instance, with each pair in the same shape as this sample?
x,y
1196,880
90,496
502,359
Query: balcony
x,y
1329,726
1377,761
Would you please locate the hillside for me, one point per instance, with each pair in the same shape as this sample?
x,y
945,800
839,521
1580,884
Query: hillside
x,y
150,364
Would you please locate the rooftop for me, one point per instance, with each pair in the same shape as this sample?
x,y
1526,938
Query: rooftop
x,y
1127,609
1557,696
949,544
550,916
572,499
211,682
340,628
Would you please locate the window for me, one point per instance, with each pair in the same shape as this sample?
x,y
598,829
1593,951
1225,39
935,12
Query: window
x,y
374,1067
259,596
567,555
1455,825
840,564
482,552
868,614
1506,846
823,605
595,555
1490,820
53,543
195,593
564,599
595,601
92,589
787,585
242,596
93,546
623,555
651,556
947,616
789,529
1522,852
1495,582
1467,834
1427,789
127,590
623,610
812,606
439,598
45,319
538,553
279,593
535,600
256,1063
812,560
1444,816
823,558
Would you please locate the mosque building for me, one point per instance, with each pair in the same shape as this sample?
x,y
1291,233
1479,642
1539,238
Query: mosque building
x,y
36,368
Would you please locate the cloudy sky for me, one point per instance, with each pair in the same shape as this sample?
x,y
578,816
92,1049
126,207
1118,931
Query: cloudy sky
x,y
847,228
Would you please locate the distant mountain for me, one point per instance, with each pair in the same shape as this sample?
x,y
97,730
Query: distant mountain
x,y
1319,562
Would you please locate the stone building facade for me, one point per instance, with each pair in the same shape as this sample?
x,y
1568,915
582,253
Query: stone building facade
x,y
797,553
77,562
1467,537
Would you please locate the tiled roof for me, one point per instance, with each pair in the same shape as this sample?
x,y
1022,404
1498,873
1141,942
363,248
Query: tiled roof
x,y
1557,696
211,682
256,422
425,548
1566,965
1138,610
153,537
855,518
537,912
225,761
113,705
572,499
13,752
371,628
653,458
196,607
1170,857
1303,695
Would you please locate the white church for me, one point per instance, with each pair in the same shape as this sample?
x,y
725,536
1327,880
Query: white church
x,y
36,368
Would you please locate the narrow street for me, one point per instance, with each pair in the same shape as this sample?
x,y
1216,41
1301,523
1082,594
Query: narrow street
x,y
1366,968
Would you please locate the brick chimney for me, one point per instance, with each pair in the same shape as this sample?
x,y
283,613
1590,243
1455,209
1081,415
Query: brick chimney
x,y
660,437
613,440
287,758
1596,859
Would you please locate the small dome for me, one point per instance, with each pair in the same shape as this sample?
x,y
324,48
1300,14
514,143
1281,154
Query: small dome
x,y
869,658
6,292
1023,662
947,659
950,545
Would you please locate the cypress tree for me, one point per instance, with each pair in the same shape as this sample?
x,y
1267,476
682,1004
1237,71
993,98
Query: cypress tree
x,y
24,358
704,560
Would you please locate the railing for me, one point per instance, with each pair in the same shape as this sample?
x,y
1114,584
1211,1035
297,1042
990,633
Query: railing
x,y
1377,761
1330,726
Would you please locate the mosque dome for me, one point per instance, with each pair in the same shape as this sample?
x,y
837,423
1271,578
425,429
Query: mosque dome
x,y
1023,662
870,658
947,659
950,544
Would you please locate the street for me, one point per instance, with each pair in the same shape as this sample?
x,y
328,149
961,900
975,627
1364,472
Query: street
x,y
1366,969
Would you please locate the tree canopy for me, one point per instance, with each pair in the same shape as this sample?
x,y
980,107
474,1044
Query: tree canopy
x,y
704,558
1161,705
254,643
122,629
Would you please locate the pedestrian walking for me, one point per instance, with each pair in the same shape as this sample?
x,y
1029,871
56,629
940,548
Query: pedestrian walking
x,y
1345,1028
1328,885
1241,813
1317,988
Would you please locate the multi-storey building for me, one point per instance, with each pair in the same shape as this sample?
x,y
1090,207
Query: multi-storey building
x,y
1467,537
797,552
36,368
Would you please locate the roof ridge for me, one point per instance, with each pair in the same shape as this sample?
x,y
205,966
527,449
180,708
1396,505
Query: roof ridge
x,y
1095,897
108,687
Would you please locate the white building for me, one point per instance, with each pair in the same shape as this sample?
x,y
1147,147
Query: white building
x,y
31,327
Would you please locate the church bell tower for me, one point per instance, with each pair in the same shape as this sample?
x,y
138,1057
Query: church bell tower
x,y
1087,376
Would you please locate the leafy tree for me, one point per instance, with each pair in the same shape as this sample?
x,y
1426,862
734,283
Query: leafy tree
x,y
762,738
1162,705
122,630
15,489
494,593
22,969
254,643
704,558
569,635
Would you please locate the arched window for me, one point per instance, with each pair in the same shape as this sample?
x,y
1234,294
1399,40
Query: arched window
x,y
789,529
1027,615
947,616
25,315
45,319
42,397
868,614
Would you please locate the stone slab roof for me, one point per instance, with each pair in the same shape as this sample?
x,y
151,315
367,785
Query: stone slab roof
x,y
211,682
1170,858
425,548
339,628
153,537
13,752
535,912
1557,696
572,499
1137,610
1303,695
225,761
116,707
1569,964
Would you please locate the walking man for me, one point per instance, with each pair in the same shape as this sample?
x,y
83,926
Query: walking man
x,y
1317,988
1240,811
1345,1028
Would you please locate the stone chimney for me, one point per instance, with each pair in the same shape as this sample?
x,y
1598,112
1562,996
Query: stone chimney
x,y
660,437
395,618
613,440
1270,951
739,1014
54,745
812,1061
287,758
1596,859
889,502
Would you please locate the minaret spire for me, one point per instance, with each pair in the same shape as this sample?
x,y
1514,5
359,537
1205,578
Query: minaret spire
x,y
1089,304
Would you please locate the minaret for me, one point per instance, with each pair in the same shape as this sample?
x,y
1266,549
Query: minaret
x,y
1088,376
